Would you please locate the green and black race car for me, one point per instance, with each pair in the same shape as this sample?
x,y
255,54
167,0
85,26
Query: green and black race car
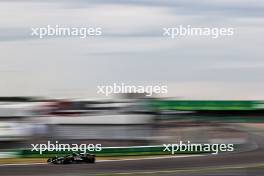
x,y
74,158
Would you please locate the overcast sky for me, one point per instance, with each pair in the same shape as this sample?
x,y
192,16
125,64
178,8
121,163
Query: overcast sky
x,y
132,49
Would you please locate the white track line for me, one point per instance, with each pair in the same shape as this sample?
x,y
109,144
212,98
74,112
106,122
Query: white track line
x,y
113,160
149,158
22,164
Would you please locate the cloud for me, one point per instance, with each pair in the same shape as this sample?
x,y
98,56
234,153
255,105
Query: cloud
x,y
132,47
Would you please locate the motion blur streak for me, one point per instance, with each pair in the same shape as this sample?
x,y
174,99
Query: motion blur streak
x,y
132,122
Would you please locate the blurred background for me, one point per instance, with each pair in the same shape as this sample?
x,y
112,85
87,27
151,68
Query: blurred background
x,y
132,48
48,86
127,120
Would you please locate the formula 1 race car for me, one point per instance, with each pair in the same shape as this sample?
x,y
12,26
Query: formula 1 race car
x,y
73,158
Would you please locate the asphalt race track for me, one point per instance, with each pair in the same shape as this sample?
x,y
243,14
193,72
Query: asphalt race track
x,y
242,163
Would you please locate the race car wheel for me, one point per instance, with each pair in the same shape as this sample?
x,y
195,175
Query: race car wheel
x,y
90,159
